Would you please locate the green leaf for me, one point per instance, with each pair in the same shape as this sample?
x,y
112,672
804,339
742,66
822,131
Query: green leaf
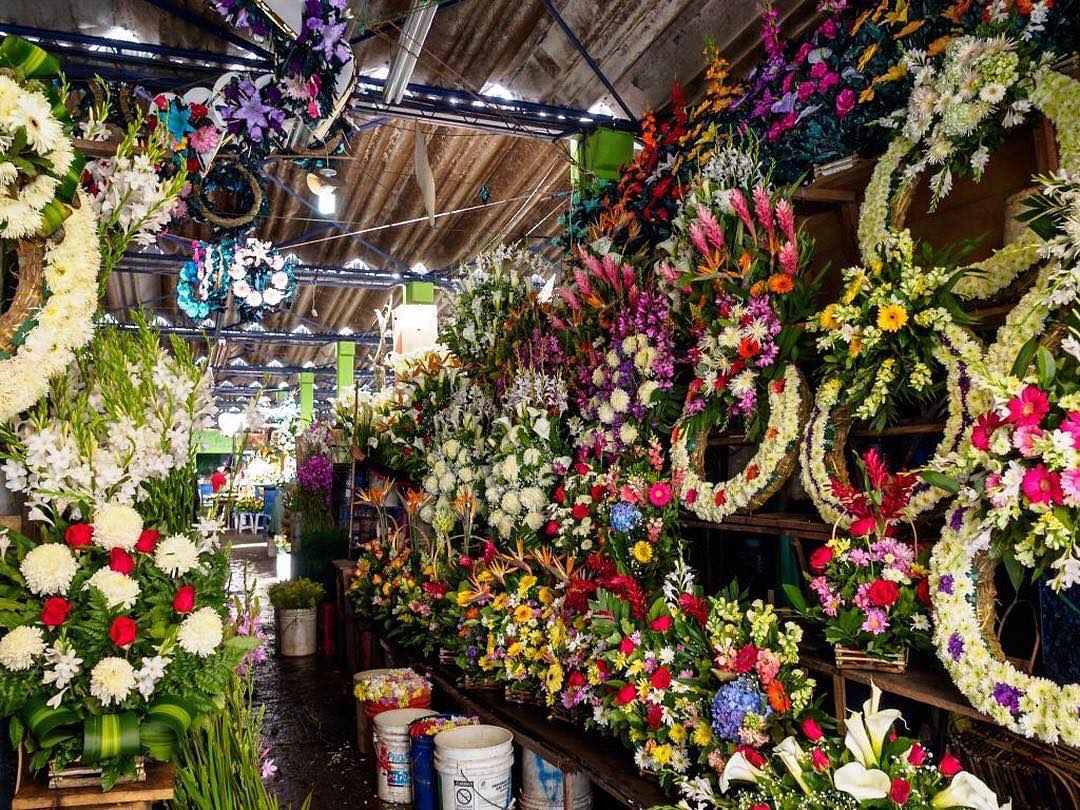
x,y
1024,358
1046,366
1015,571
795,596
941,481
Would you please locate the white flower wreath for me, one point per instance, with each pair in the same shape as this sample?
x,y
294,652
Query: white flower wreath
x,y
1029,705
819,458
764,473
64,322
1058,98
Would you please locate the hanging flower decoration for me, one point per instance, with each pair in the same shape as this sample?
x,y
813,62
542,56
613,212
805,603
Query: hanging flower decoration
x,y
258,277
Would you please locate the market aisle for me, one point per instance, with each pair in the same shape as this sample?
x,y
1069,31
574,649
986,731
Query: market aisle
x,y
310,721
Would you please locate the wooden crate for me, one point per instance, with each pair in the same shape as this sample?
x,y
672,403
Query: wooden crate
x,y
34,794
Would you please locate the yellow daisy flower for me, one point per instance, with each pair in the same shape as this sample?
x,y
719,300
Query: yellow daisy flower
x,y
642,551
827,318
891,318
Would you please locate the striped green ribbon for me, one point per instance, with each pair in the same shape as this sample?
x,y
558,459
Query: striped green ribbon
x,y
111,735
27,60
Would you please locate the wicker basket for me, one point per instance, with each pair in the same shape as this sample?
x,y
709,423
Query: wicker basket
x,y
520,694
1034,776
29,293
78,776
848,658
575,716
478,682
446,656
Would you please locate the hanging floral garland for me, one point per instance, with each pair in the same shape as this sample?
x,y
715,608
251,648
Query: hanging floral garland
x,y
1006,88
880,343
735,274
259,278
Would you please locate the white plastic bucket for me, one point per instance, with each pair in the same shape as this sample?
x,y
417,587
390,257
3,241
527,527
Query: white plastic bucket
x,y
296,632
545,787
393,767
363,728
474,764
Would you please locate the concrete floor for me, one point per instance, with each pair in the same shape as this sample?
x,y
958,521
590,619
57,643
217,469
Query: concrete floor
x,y
310,722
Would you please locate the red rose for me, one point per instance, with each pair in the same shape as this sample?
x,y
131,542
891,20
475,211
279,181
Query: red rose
x,y
883,593
821,557
184,601
148,541
901,789
661,624
627,694
559,494
922,591
917,755
580,511
596,492
752,755
576,679
122,633
745,658
55,611
79,535
581,468
811,729
819,759
120,561
661,679
950,765
654,716
626,646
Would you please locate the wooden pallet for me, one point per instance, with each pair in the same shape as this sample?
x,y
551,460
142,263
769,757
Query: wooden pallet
x,y
34,794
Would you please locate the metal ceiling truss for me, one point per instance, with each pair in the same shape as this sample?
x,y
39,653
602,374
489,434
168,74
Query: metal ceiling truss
x,y
253,335
319,275
284,371
208,27
240,393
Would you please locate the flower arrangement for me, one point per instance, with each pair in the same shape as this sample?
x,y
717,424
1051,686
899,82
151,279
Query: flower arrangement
x,y
296,594
458,461
258,277
120,428
872,768
111,621
396,689
871,587
203,288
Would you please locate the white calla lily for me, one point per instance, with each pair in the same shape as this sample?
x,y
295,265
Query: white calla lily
x,y
867,730
967,790
738,769
790,753
865,784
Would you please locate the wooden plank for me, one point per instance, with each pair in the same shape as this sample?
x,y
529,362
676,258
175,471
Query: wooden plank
x,y
928,687
34,794
767,523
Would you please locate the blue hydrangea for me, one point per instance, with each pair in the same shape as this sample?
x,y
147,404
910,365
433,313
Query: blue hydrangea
x,y
731,704
625,517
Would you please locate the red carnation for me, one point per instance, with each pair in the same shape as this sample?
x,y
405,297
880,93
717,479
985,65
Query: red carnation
x,y
122,632
627,694
580,511
184,601
950,765
626,646
552,528
596,492
922,591
55,611
661,624
559,495
661,679
120,561
148,541
581,468
654,716
883,593
820,557
79,535
745,658
690,497
901,789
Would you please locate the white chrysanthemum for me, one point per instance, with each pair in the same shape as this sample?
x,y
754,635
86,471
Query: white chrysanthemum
x,y
200,633
118,589
112,680
176,555
49,568
117,526
20,647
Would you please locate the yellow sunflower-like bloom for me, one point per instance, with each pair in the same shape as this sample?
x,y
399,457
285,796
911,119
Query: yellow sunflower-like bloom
x,y
892,318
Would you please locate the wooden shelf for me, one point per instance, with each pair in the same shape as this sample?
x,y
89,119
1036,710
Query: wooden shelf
x,y
160,780
929,687
792,523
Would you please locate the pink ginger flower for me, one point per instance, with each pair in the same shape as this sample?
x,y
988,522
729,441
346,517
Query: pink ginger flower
x,y
713,232
738,204
763,209
667,272
697,236
785,215
568,296
789,258
1041,485
582,282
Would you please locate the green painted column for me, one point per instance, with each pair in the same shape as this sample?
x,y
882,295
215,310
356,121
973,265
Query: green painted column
x,y
346,366
419,292
307,397
600,155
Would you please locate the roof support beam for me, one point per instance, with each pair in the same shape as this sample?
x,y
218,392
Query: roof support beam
x,y
236,334
570,35
208,27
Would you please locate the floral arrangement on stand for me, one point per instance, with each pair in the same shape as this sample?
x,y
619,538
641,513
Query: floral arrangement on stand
x,y
872,767
309,495
396,689
872,589
258,277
